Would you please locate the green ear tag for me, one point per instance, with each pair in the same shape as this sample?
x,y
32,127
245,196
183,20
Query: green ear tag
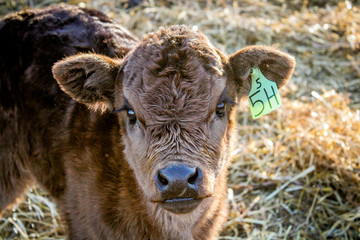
x,y
264,96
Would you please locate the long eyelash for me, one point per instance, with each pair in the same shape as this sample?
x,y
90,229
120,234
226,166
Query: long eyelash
x,y
228,101
225,99
122,108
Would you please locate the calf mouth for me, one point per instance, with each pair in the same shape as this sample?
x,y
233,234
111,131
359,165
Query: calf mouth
x,y
180,205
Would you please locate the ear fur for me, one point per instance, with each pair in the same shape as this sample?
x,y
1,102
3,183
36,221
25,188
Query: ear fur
x,y
89,79
276,66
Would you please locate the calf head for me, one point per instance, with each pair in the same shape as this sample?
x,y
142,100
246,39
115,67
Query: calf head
x,y
174,95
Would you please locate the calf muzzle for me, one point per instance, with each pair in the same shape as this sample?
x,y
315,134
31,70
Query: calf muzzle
x,y
178,185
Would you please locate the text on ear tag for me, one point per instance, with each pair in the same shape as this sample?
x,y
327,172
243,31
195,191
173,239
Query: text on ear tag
x,y
264,96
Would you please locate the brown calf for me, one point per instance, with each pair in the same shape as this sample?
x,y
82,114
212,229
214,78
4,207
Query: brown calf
x,y
136,143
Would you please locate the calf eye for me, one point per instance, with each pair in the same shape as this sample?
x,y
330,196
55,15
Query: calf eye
x,y
131,115
220,109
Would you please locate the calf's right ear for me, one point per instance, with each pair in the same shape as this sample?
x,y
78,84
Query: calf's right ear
x,y
89,79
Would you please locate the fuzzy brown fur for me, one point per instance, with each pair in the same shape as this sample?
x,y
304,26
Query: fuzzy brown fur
x,y
97,164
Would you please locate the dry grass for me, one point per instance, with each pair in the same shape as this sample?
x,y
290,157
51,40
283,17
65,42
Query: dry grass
x,y
295,172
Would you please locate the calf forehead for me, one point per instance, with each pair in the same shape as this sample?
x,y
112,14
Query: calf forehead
x,y
174,74
175,97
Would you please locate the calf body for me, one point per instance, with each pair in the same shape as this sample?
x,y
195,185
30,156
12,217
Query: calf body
x,y
133,137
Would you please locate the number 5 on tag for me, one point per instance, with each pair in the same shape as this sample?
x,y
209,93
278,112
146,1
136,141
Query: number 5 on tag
x,y
264,96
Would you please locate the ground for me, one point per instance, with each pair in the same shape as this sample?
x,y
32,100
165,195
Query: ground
x,y
296,171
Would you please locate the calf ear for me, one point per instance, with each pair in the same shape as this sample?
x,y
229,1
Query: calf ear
x,y
276,66
89,79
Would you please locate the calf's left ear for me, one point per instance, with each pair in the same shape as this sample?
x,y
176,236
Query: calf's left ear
x,y
276,66
89,79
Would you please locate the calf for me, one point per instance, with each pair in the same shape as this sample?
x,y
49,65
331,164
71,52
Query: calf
x,y
132,140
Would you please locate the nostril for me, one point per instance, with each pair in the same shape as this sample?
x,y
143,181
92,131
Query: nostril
x,y
192,179
162,179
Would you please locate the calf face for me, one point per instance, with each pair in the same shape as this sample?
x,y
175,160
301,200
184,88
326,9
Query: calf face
x,y
174,96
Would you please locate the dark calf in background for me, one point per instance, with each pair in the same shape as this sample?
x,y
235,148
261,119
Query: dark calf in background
x,y
136,143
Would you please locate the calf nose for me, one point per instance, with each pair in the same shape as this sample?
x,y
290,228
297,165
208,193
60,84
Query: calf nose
x,y
178,181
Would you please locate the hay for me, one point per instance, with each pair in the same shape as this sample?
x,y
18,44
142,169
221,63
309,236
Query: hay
x,y
295,172
299,169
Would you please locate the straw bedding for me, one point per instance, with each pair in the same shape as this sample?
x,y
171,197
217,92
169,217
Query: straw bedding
x,y
296,171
